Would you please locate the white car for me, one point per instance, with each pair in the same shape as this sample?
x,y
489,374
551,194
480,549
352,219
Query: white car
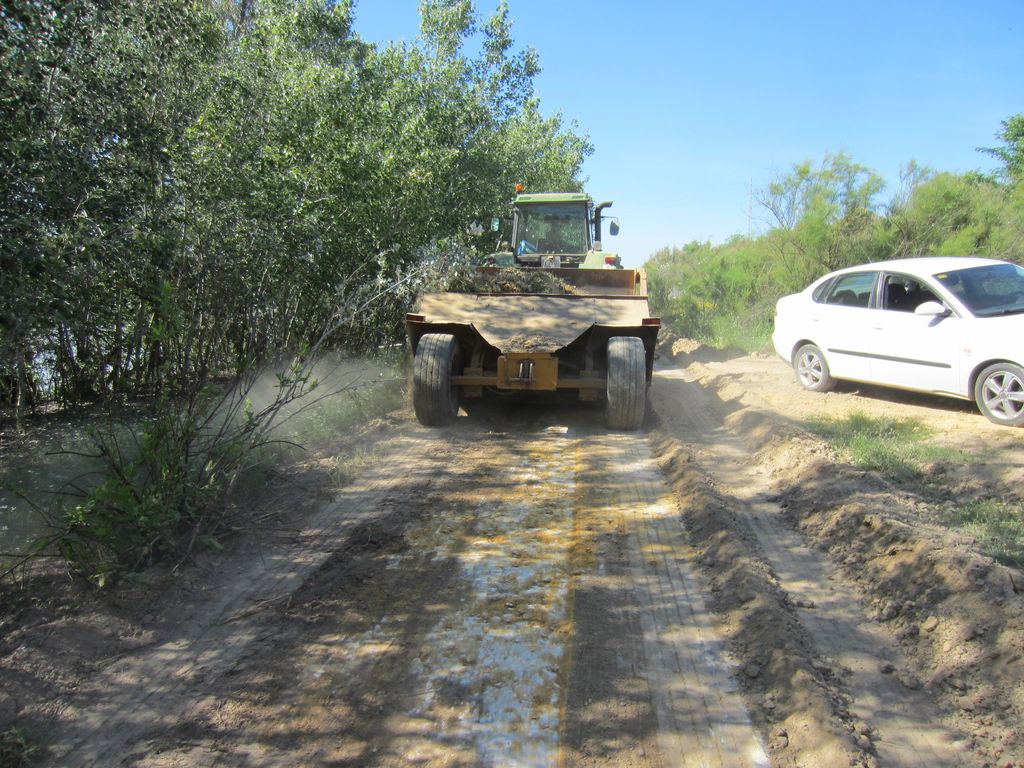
x,y
948,325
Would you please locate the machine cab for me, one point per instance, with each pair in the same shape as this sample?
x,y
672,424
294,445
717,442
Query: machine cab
x,y
545,227
557,230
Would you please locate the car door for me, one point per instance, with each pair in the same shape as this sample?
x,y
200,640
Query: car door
x,y
841,321
910,350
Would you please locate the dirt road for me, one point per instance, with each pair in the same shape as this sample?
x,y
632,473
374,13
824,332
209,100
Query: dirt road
x,y
527,589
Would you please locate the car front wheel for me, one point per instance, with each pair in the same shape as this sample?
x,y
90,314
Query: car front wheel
x,y
812,369
999,393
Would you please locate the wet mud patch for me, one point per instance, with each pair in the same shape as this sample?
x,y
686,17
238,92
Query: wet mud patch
x,y
436,634
503,646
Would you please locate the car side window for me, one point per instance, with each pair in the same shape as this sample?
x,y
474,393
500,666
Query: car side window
x,y
902,293
821,291
852,290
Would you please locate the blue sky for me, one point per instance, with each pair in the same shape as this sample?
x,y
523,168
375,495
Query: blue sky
x,y
690,104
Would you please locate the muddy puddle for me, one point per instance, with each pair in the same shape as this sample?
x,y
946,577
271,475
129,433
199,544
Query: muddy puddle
x,y
501,650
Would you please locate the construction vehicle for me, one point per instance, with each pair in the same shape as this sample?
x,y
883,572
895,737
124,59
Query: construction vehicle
x,y
593,336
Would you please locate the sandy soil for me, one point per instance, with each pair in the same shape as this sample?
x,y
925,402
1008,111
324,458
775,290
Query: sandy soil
x,y
527,589
913,639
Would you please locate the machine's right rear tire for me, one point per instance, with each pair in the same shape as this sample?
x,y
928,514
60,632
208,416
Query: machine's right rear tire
x,y
434,397
627,383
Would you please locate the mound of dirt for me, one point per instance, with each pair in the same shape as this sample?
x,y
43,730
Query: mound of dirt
x,y
957,615
532,343
806,719
510,280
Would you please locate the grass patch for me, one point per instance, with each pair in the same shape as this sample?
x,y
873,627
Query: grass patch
x,y
898,449
15,749
160,483
735,332
997,526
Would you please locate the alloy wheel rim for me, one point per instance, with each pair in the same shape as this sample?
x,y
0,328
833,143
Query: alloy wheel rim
x,y
810,369
1003,394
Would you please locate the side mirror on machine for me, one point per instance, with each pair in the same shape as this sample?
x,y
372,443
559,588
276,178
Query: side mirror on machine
x,y
613,228
495,224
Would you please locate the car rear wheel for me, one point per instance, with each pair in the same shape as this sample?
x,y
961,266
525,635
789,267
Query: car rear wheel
x,y
812,369
434,397
999,393
627,383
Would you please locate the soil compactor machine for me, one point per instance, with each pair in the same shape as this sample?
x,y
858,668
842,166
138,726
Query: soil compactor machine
x,y
594,336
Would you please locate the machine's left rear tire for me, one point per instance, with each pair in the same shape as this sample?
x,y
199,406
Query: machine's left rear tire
x,y
627,383
434,397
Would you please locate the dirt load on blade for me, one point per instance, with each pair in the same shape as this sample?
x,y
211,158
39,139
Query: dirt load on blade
x,y
574,321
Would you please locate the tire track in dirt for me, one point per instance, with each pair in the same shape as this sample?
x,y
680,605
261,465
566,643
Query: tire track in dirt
x,y
486,683
442,611
701,716
890,718
502,648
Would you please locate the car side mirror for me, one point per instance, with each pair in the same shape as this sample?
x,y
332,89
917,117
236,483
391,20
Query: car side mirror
x,y
932,309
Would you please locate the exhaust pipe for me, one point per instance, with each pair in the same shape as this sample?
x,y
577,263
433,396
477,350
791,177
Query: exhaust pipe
x,y
597,222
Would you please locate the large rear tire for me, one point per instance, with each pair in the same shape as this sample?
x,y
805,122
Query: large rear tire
x,y
627,383
434,397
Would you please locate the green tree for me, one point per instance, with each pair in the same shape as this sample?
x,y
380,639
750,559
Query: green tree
x,y
193,186
823,217
92,102
1011,153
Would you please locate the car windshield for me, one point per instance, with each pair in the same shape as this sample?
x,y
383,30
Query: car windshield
x,y
552,228
988,291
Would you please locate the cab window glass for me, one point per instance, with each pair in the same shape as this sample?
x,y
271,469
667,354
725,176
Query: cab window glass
x,y
552,228
852,290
